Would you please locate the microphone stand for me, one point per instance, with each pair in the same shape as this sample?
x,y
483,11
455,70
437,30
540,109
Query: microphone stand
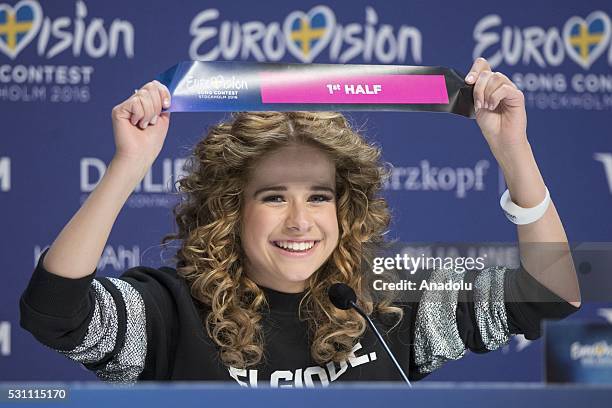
x,y
382,341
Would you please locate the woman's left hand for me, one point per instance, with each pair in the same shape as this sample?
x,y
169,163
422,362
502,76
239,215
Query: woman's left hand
x,y
500,108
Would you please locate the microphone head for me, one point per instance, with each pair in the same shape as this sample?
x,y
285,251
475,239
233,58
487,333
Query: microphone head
x,y
342,295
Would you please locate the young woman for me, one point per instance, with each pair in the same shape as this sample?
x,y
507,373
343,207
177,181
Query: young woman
x,y
277,207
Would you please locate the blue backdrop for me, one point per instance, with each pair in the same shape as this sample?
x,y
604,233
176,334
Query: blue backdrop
x,y
65,64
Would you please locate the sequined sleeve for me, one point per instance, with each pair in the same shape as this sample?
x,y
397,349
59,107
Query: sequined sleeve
x,y
115,344
477,311
99,322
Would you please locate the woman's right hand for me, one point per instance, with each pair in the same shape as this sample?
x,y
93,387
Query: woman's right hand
x,y
140,127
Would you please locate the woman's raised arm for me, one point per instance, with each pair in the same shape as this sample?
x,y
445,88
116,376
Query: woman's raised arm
x,y
501,115
140,130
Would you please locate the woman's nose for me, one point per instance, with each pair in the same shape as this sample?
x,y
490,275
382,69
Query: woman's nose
x,y
299,218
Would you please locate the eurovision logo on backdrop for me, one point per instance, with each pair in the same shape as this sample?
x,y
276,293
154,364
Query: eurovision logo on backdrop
x,y
18,26
309,33
578,44
587,38
25,27
305,35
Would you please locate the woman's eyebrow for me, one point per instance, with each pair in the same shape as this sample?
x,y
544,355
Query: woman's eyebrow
x,y
284,188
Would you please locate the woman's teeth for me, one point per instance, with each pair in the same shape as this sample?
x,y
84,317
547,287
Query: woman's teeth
x,y
295,246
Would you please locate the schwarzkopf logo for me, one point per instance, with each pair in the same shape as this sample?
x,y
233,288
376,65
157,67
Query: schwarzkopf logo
x,y
426,177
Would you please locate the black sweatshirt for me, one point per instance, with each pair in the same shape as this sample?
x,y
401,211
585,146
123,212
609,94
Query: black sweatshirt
x,y
145,326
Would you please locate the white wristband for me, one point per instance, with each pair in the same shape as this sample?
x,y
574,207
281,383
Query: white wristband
x,y
520,215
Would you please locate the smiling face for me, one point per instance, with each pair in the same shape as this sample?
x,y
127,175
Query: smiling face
x,y
289,222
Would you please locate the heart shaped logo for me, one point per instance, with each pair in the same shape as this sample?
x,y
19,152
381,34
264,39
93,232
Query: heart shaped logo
x,y
586,39
308,34
18,26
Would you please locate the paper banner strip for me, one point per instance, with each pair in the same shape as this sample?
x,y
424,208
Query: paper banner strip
x,y
237,86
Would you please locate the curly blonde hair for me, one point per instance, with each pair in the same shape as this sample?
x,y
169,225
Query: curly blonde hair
x,y
210,257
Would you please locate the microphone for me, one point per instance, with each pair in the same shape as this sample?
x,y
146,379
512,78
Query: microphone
x,y
343,297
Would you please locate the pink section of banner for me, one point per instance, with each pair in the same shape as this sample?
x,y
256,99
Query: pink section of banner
x,y
371,89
